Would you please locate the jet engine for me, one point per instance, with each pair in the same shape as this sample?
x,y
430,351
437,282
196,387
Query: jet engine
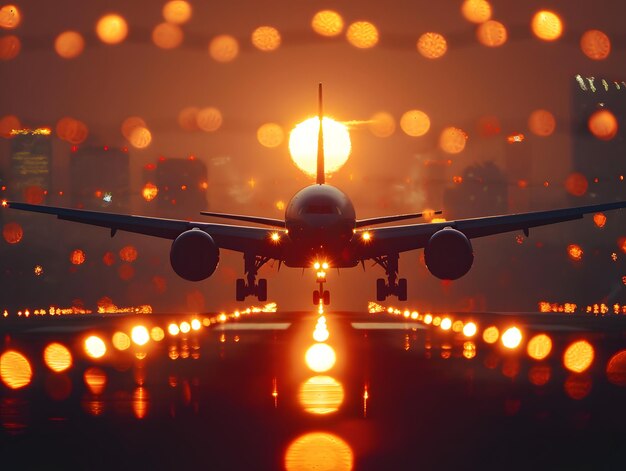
x,y
448,254
194,255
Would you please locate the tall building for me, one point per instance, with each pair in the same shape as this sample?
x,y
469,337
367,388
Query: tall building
x,y
30,165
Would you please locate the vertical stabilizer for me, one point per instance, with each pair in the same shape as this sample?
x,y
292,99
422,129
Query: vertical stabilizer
x,y
321,179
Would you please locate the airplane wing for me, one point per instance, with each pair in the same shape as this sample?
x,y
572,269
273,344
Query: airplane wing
x,y
384,240
237,238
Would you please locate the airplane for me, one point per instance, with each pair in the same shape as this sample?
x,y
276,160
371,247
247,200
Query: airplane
x,y
320,230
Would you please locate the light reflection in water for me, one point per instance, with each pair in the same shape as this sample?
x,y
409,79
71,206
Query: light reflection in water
x,y
95,347
578,386
320,357
319,451
321,395
57,357
15,369
578,356
140,402
58,387
95,379
539,347
616,369
469,350
539,375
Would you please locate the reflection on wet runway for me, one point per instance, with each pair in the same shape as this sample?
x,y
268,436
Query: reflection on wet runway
x,y
316,390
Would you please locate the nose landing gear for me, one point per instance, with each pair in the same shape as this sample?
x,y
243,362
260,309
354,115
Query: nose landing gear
x,y
321,296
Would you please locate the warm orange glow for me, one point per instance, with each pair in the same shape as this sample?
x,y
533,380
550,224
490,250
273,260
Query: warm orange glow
x,y
266,38
616,369
270,135
112,29
446,323
491,334
57,357
578,386
470,329
432,45
149,191
539,374
69,44
575,252
415,123
303,145
321,395
188,118
595,44
173,329
72,130
320,357
547,25
130,124
126,271
77,257
541,123
15,369
382,124
576,184
511,338
95,379
120,340
366,236
428,319
209,119
321,334
539,347
10,47
167,35
185,327
12,232
38,270
195,324
492,34
275,237
319,451
128,253
140,402
578,356
599,219
10,17
603,125
452,140
327,23
140,335
224,48
362,34
140,137
95,347
177,11
157,334
476,11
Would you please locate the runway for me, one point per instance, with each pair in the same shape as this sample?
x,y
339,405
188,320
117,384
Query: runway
x,y
257,391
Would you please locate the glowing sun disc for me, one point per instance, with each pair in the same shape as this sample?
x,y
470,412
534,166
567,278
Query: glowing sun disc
x,y
303,145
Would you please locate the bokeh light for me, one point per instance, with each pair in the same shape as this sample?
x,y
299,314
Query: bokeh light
x,y
541,123
603,124
511,338
149,191
57,357
157,334
140,402
432,45
578,386
167,35
69,44
128,253
95,347
327,23
599,219
72,130
319,451
547,25
491,334
362,34
595,44
321,395
476,11
7,124
140,335
224,48
209,119
266,38
492,34
120,341
303,145
452,140
130,124
470,329
270,135
539,347
173,329
140,137
112,29
578,356
576,184
12,232
539,375
320,357
10,47
188,118
15,369
77,257
177,11
10,17
95,379
616,369
575,252
415,123
382,124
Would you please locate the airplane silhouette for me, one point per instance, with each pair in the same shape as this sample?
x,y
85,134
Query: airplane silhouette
x,y
320,231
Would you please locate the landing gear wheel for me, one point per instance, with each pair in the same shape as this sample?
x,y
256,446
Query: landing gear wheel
x,y
241,289
326,298
381,289
402,289
262,290
316,297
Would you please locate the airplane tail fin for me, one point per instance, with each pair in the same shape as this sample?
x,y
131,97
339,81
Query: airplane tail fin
x,y
321,177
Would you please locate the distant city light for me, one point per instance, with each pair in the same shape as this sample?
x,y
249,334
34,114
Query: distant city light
x,y
266,38
595,44
224,48
547,25
112,29
432,45
69,44
362,34
327,23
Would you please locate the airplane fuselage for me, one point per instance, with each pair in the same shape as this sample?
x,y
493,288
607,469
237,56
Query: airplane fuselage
x,y
320,220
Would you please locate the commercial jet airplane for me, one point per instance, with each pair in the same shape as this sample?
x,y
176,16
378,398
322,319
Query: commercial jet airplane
x,y
320,231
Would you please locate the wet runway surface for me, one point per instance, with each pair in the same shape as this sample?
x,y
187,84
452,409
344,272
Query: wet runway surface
x,y
258,391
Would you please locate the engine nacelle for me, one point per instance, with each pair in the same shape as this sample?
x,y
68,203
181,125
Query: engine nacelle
x,y
194,255
448,254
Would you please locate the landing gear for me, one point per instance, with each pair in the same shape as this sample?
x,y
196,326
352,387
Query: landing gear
x,y
249,286
324,298
321,296
390,287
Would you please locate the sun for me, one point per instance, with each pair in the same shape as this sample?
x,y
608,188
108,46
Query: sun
x,y
303,145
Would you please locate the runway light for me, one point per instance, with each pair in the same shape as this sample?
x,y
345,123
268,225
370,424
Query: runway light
x,y
320,357
511,338
595,44
140,335
539,347
120,341
321,395
491,334
446,323
196,324
185,327
469,350
319,451
469,329
578,356
362,34
95,347
317,265
57,357
15,370
321,334
173,329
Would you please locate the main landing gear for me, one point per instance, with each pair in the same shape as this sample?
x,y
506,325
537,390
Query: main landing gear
x,y
249,286
321,296
391,287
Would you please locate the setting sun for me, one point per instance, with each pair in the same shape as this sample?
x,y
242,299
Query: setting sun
x,y
303,145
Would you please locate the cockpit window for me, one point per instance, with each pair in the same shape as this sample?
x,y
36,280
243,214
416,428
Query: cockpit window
x,y
320,209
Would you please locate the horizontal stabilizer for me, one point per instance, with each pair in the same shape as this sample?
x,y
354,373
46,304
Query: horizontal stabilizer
x,y
241,217
384,219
